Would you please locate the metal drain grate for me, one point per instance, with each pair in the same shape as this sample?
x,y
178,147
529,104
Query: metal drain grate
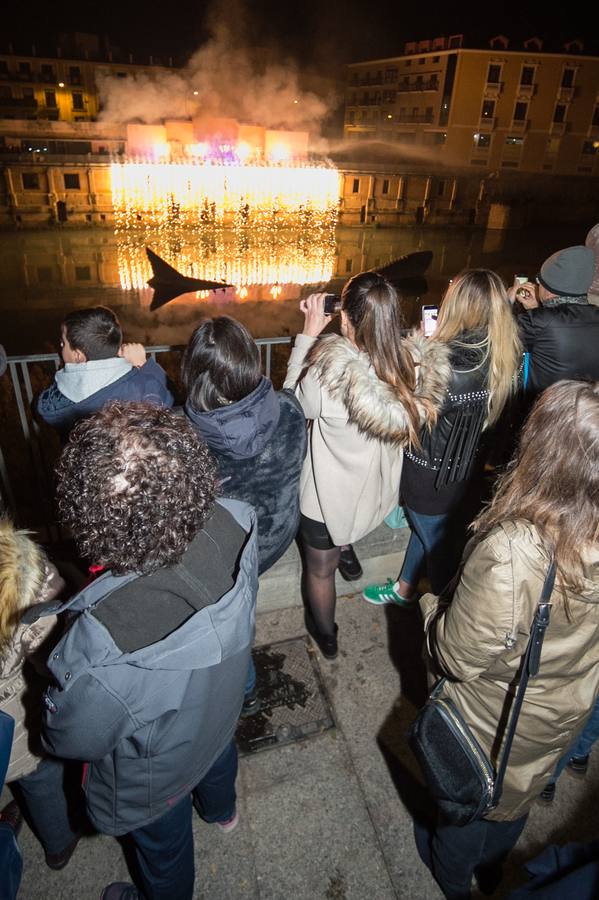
x,y
293,704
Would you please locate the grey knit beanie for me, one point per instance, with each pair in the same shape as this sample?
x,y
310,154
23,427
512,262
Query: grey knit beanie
x,y
568,272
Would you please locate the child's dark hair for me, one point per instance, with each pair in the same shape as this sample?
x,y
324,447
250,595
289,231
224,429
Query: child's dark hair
x,y
96,332
221,364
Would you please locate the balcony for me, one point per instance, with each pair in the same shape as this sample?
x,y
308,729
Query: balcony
x,y
565,94
520,125
432,84
370,82
487,123
559,127
526,91
493,89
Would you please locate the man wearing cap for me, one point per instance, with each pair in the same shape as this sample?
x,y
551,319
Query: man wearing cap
x,y
559,328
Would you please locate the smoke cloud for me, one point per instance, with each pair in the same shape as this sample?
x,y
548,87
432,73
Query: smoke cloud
x,y
227,76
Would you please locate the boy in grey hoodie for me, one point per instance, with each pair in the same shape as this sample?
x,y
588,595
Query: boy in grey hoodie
x,y
98,367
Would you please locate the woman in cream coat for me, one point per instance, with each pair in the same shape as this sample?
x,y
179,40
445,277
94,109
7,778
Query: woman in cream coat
x,y
367,393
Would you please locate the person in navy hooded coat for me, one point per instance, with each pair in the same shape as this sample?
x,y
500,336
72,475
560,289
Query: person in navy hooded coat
x,y
257,435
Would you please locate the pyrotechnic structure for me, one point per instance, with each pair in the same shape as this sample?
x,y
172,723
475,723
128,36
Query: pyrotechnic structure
x,y
246,222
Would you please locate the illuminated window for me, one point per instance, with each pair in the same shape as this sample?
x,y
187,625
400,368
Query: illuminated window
x,y
488,110
514,141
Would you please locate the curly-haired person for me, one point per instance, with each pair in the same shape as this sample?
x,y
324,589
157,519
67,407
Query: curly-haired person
x,y
149,680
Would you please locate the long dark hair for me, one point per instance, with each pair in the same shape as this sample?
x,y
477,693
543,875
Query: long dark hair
x,y
373,307
554,480
221,364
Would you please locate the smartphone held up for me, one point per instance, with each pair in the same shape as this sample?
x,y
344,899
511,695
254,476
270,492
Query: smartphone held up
x,y
429,319
332,304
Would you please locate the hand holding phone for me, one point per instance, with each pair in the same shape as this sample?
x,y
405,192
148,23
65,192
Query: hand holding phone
x,y
429,319
332,304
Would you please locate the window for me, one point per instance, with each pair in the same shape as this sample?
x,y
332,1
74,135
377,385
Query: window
x,y
348,265
45,273
77,100
121,74
494,74
31,181
3,67
439,137
351,117
589,148
441,187
5,92
47,72
28,92
408,62
559,113
390,76
385,189
24,68
520,111
422,61
482,141
71,181
596,117
436,59
568,78
50,99
488,110
83,273
527,75
356,186
74,74
514,141
429,114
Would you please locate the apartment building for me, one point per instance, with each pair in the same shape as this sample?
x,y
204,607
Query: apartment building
x,y
501,107
62,86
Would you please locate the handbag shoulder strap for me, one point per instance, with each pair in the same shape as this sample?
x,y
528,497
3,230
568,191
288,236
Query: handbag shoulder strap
x,y
529,668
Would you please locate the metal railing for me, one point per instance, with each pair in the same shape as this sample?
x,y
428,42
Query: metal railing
x,y
28,449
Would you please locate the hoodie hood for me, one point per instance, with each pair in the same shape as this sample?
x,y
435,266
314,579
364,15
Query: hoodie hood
x,y
78,381
372,404
240,430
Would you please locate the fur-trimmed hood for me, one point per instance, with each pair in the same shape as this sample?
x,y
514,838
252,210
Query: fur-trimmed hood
x,y
372,405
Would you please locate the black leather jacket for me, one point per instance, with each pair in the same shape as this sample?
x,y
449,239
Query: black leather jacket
x,y
563,342
449,448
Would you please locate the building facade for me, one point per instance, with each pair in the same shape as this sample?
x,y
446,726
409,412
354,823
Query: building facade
x,y
499,108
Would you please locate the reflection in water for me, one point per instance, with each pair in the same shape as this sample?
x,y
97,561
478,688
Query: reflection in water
x,y
44,274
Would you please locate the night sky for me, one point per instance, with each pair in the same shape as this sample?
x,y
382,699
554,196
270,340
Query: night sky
x,y
317,33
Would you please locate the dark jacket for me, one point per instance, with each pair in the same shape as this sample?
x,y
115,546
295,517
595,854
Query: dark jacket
x,y
149,679
259,444
147,383
436,474
563,342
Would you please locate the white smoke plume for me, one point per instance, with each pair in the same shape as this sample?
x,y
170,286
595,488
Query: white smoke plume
x,y
225,77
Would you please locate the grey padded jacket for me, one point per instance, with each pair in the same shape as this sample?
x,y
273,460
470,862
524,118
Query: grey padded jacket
x,y
152,722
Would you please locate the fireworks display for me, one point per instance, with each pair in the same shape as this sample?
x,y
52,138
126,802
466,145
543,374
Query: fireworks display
x,y
244,223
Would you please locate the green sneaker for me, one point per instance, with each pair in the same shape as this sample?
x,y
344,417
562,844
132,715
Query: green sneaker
x,y
384,594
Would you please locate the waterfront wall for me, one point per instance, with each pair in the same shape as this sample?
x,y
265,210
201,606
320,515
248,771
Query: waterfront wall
x,y
75,191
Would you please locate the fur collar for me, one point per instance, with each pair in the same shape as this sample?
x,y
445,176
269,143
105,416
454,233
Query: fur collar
x,y
346,373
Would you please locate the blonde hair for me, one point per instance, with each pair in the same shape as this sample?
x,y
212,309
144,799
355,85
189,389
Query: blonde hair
x,y
477,299
21,577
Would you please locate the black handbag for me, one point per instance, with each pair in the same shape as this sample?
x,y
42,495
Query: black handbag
x,y
457,770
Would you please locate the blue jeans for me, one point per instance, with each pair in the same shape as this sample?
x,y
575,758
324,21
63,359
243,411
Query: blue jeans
x,y
250,683
453,853
11,863
434,547
45,800
164,849
583,745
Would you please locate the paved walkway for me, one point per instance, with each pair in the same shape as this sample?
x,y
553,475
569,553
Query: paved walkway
x,y
327,818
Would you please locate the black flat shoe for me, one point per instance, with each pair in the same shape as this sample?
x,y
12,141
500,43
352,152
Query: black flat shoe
x,y
326,643
349,565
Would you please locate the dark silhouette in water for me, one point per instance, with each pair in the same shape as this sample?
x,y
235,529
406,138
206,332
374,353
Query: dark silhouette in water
x,y
168,283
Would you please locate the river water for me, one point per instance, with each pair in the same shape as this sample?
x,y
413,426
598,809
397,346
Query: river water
x,y
45,274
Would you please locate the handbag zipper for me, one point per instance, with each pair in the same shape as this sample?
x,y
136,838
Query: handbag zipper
x,y
475,752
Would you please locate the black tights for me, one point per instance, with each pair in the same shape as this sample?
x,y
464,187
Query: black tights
x,y
319,586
